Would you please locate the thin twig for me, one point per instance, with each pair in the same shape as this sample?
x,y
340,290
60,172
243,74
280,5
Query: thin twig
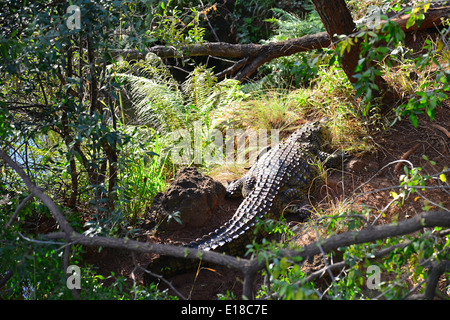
x,y
39,241
16,212
165,281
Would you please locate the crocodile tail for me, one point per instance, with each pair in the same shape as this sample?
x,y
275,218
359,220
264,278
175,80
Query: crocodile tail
x,y
233,236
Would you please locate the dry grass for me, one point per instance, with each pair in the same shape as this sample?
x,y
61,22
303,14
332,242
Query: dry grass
x,y
330,95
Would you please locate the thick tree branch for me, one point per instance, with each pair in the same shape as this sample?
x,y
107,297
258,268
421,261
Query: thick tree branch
x,y
223,49
258,54
371,233
148,247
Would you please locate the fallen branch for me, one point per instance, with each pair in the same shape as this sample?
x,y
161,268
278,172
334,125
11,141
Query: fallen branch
x,y
258,54
424,220
223,49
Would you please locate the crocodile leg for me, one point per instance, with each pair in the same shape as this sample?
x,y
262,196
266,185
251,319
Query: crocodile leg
x,y
334,160
248,185
234,188
294,201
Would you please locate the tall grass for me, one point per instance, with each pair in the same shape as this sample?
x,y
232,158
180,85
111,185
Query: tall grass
x,y
268,110
144,173
330,95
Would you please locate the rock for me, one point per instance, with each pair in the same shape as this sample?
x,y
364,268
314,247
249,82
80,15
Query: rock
x,y
358,165
193,195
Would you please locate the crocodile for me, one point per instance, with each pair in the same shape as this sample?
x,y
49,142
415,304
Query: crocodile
x,y
281,176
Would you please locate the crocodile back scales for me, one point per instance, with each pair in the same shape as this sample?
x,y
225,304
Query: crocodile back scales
x,y
289,164
288,168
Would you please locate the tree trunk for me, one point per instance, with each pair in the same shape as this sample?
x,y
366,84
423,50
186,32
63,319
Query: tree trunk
x,y
68,140
338,20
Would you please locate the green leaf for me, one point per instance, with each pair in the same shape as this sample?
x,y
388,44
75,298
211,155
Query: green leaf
x,y
411,21
413,119
431,112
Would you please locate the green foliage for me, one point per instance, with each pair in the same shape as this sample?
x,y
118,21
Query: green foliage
x,y
5,127
407,259
298,69
84,125
431,93
253,19
406,262
154,93
290,26
367,70
427,99
163,104
143,173
39,275
248,16
289,72
173,27
58,119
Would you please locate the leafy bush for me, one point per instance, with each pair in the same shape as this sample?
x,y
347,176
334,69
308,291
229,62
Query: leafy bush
x,y
298,69
373,55
403,262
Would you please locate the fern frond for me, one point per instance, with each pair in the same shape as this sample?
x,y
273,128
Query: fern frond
x,y
198,86
161,103
157,104
151,68
291,26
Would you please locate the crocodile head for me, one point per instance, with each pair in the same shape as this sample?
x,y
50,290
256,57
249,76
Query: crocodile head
x,y
316,134
322,133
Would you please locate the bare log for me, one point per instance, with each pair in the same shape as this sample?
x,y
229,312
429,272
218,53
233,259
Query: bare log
x,y
255,55
223,49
